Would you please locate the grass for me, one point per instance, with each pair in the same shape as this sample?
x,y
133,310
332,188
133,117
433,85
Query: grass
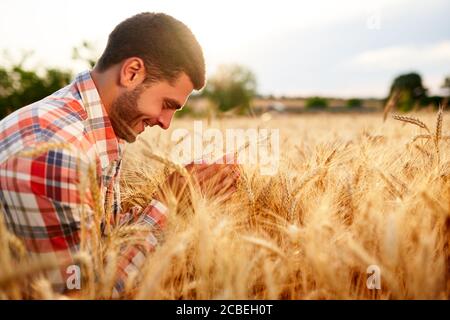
x,y
351,191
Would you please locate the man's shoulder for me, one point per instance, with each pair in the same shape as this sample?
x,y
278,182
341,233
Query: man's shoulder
x,y
57,118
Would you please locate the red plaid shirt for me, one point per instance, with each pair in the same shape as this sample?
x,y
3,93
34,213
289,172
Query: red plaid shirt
x,y
40,194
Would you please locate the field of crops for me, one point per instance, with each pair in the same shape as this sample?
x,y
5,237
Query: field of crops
x,y
352,194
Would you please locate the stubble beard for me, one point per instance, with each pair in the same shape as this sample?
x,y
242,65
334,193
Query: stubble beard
x,y
124,114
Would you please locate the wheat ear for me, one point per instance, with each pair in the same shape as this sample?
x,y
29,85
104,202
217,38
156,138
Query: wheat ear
x,y
412,120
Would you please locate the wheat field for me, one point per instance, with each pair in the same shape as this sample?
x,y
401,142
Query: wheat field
x,y
351,192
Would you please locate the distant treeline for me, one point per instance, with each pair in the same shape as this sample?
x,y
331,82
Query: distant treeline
x,y
231,89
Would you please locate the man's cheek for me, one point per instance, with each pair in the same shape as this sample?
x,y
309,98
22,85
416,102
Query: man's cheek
x,y
149,112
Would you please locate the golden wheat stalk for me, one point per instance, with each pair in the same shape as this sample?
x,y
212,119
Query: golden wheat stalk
x,y
43,289
412,120
99,216
421,136
164,160
84,258
423,151
438,132
263,243
391,186
23,271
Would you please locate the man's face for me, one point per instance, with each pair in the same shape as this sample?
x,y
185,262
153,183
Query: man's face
x,y
148,105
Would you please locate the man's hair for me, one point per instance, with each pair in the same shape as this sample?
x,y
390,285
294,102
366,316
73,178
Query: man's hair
x,y
166,45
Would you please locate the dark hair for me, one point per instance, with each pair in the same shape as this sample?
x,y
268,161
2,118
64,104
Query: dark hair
x,y
166,45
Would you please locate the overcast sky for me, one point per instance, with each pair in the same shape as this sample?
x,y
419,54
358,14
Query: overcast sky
x,y
336,48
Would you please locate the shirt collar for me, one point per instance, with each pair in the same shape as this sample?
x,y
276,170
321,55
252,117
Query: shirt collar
x,y
109,147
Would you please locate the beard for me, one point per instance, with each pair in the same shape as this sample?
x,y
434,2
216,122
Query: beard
x,y
124,114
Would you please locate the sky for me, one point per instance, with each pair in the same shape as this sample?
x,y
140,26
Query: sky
x,y
345,48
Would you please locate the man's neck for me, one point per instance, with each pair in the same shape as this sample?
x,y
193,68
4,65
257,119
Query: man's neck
x,y
106,84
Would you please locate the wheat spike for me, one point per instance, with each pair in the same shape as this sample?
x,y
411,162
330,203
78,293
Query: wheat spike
x,y
438,132
421,136
179,168
439,119
264,244
43,289
422,150
412,120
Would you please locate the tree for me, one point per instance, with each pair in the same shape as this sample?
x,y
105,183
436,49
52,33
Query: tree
x,y
316,103
446,85
231,87
354,103
411,90
20,87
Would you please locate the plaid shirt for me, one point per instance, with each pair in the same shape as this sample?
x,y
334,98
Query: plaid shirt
x,y
40,192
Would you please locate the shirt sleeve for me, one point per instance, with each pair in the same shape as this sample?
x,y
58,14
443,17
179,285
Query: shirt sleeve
x,y
44,207
132,258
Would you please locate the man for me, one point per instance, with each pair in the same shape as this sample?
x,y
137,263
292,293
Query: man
x,y
150,66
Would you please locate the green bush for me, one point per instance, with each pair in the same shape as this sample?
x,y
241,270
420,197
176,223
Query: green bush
x,y
232,87
316,103
411,91
20,87
354,103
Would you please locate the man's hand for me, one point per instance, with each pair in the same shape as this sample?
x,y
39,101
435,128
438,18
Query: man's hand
x,y
213,180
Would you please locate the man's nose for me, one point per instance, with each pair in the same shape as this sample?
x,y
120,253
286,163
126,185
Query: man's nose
x,y
164,122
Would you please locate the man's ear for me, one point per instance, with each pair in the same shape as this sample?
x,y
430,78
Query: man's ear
x,y
132,72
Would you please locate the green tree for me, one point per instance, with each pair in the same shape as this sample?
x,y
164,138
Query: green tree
x,y
354,103
20,86
446,85
411,90
316,103
231,87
